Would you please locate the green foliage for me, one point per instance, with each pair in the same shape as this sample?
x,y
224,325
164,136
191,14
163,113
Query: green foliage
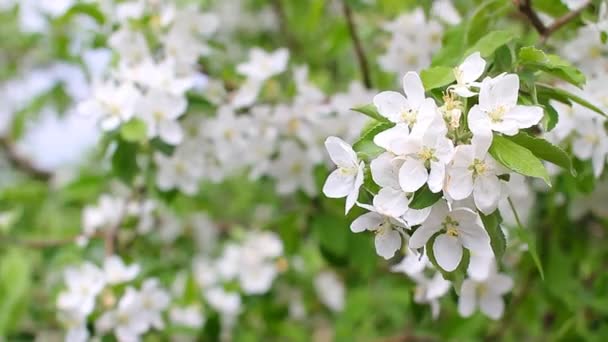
x,y
437,77
550,64
134,131
15,284
424,198
497,237
517,158
544,150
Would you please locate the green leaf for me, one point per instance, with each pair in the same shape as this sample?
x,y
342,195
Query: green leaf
x,y
497,237
518,158
452,46
90,10
124,165
552,64
15,283
490,43
424,198
369,132
484,16
544,150
332,232
566,97
134,131
437,77
371,111
551,117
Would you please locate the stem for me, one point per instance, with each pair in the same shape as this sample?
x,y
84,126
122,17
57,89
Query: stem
x,y
360,53
22,164
525,7
279,11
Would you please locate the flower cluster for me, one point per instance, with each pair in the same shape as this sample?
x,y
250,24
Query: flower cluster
x,y
128,318
436,149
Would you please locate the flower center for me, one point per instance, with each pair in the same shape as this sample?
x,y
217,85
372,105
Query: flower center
x,y
591,138
347,171
427,155
451,226
158,116
478,167
409,116
497,114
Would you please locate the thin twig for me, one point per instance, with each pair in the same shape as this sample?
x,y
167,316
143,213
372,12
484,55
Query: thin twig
x,y
40,244
22,164
279,11
361,57
565,19
525,7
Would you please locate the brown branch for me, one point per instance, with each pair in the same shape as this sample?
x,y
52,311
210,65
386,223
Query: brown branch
x,y
525,7
279,11
361,58
40,244
22,164
565,19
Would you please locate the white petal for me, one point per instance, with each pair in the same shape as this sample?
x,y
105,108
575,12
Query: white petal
x,y
471,232
367,221
391,104
422,235
340,152
171,132
466,302
338,184
460,179
487,193
391,202
480,266
354,194
491,305
386,138
436,177
413,89
387,243
480,126
522,117
448,252
412,175
500,284
472,68
385,171
415,217
463,91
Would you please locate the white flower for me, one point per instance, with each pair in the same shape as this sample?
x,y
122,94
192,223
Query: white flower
x,y
411,109
574,4
459,228
160,111
384,220
263,65
162,76
188,316
413,264
385,170
84,283
226,303
292,170
154,300
330,290
348,178
474,171
177,171
591,142
425,157
126,320
467,73
112,104
429,290
499,109
486,294
107,213
117,272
